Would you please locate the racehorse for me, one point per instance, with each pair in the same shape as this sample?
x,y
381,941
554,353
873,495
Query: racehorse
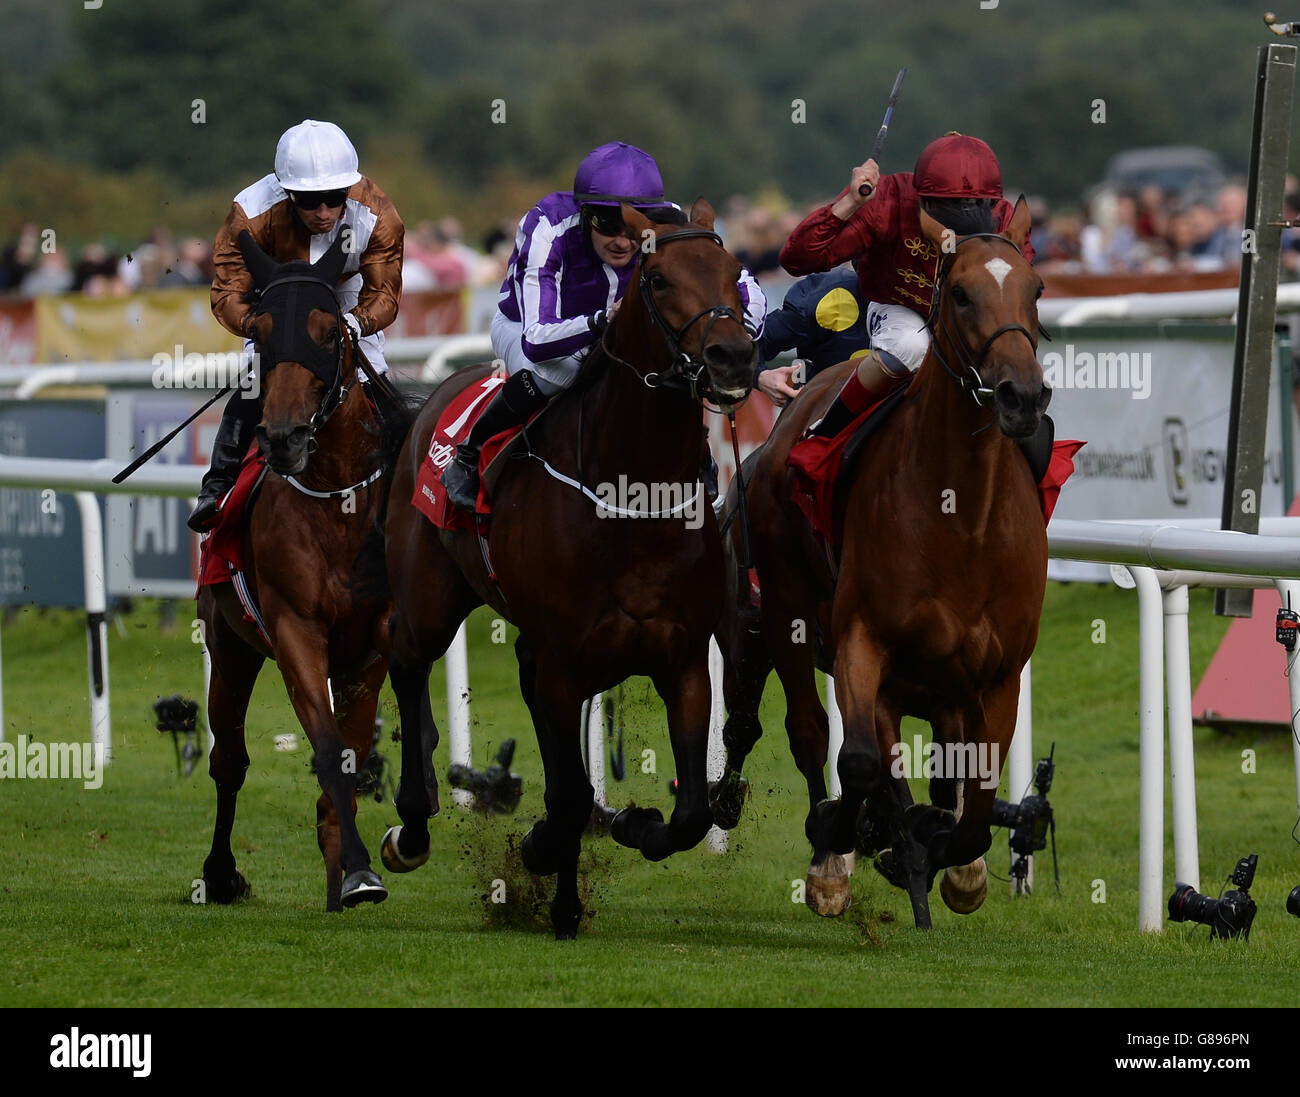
x,y
313,561
932,607
597,595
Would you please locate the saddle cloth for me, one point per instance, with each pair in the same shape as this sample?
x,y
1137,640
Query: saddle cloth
x,y
221,549
816,463
453,427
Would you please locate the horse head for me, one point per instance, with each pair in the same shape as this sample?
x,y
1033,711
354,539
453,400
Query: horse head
x,y
305,358
687,285
985,320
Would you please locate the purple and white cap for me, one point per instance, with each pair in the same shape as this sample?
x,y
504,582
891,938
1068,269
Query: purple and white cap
x,y
618,172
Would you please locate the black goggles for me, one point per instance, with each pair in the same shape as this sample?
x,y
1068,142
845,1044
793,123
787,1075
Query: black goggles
x,y
313,199
607,222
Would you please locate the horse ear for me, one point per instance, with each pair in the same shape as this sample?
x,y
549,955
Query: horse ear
x,y
330,265
935,232
260,265
1017,230
638,224
702,213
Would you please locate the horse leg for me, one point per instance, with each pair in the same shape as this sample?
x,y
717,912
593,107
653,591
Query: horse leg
x,y
746,665
990,727
687,695
432,601
962,887
234,671
832,825
406,847
303,658
356,699
554,842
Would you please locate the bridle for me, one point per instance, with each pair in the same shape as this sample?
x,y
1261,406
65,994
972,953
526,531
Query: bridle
x,y
969,377
336,391
685,373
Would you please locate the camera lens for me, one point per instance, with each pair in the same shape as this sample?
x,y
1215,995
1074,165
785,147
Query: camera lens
x,y
1293,901
1187,904
1005,814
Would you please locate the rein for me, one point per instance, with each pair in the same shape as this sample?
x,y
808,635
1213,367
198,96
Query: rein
x,y
969,378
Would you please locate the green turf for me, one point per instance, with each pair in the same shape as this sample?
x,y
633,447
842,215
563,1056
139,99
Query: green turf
x,y
95,886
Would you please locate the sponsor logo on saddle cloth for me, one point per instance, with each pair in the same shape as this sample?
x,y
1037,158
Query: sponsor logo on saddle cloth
x,y
430,497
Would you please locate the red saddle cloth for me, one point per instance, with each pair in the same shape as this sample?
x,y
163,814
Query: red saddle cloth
x,y
221,553
816,463
453,427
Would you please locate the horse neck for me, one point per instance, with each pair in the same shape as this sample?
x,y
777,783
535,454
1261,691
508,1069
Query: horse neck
x,y
629,428
957,445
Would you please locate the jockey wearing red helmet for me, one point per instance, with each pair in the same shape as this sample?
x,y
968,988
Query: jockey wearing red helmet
x,y
958,181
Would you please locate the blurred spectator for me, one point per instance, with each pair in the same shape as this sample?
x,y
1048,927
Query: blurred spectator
x,y
51,274
430,263
18,258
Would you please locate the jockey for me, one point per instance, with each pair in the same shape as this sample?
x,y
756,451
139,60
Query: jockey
x,y
823,320
958,181
573,262
297,212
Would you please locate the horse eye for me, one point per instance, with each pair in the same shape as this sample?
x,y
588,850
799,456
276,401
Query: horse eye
x,y
959,296
658,281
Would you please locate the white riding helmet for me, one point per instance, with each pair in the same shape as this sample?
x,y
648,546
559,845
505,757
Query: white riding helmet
x,y
314,156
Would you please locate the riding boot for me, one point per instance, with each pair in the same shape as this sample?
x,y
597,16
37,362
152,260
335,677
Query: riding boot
x,y
512,406
872,381
1037,448
233,436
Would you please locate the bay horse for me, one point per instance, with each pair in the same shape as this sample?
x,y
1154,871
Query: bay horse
x,y
313,562
596,597
933,609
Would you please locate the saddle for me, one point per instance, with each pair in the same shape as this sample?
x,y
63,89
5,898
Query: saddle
x,y
452,428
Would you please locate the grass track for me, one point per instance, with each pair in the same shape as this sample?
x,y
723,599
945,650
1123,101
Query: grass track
x,y
95,885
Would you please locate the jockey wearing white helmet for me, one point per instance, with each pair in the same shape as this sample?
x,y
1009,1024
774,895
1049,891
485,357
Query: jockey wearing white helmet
x,y
297,212
573,262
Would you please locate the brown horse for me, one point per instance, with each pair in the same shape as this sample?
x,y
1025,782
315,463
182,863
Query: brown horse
x,y
597,597
313,559
942,563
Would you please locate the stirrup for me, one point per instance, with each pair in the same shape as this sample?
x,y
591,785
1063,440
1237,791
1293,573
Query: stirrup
x,y
461,480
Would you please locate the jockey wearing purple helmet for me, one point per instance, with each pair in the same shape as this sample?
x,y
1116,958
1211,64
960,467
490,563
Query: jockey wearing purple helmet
x,y
572,263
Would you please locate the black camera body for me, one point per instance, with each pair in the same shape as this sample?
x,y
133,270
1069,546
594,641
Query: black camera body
x,y
1030,820
1230,915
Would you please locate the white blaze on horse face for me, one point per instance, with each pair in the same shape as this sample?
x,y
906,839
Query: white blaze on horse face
x,y
999,268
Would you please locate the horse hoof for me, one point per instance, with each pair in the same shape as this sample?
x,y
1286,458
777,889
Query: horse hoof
x,y
964,887
392,856
362,886
625,828
887,865
534,860
826,890
727,800
227,891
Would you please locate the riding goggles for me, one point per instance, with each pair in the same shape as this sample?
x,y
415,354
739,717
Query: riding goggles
x,y
313,199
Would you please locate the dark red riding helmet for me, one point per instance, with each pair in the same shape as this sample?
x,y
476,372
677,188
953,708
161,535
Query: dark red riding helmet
x,y
957,166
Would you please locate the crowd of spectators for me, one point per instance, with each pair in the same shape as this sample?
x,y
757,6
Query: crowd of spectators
x,y
35,264
1152,231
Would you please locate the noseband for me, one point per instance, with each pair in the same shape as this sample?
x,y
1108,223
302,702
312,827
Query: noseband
x,y
969,376
685,373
